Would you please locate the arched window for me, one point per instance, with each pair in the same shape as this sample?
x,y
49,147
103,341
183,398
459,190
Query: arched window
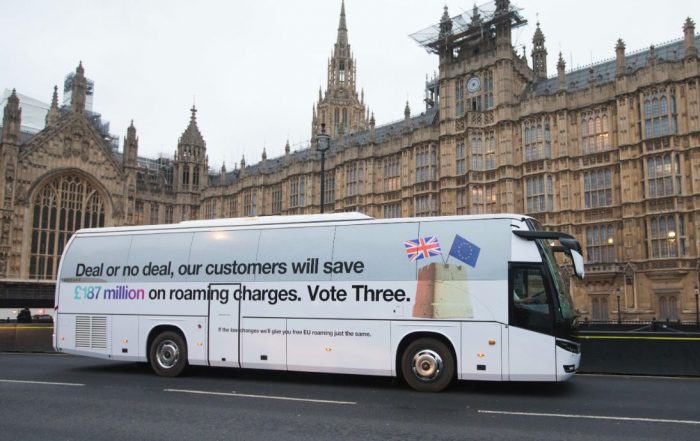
x,y
62,206
655,107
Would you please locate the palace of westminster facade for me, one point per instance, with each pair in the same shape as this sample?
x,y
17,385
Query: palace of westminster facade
x,y
609,153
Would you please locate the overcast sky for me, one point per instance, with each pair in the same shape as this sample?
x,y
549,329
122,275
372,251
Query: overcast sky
x,y
253,68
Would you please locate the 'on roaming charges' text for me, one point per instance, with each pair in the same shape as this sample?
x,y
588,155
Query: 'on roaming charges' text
x,y
315,293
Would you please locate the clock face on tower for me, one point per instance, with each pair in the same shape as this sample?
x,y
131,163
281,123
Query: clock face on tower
x,y
473,84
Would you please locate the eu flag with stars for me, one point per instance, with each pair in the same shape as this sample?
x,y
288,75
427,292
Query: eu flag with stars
x,y
464,251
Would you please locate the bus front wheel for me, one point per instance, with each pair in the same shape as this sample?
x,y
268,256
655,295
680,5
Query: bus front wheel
x,y
168,354
427,365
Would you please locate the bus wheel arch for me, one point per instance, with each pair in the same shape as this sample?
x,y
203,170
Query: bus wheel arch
x,y
427,361
166,349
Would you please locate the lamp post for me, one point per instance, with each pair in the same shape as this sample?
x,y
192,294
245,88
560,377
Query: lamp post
x,y
697,307
619,315
322,144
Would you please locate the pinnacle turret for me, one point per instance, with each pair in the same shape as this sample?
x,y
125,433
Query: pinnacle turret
x,y
689,38
561,72
131,146
539,54
620,57
12,119
445,23
80,87
53,114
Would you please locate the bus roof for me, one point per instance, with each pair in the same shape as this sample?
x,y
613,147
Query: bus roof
x,y
292,220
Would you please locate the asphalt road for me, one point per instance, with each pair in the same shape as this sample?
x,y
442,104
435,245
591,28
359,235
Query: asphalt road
x,y
59,397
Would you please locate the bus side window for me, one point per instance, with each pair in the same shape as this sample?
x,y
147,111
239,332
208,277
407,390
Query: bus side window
x,y
97,257
531,307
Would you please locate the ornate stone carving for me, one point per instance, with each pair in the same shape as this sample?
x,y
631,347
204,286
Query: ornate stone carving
x,y
118,208
21,194
85,151
629,273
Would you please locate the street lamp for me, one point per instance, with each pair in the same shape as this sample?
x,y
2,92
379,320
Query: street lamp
x,y
697,307
323,144
619,316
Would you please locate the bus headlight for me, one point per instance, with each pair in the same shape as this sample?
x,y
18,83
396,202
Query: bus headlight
x,y
569,346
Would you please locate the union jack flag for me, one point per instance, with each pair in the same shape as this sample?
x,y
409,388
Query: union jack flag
x,y
422,248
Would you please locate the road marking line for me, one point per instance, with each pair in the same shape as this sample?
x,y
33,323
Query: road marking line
x,y
626,337
634,377
592,417
269,397
48,383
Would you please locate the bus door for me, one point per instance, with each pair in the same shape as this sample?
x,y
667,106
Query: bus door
x,y
531,343
224,320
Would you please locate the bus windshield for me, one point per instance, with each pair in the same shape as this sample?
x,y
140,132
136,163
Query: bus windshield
x,y
566,308
561,284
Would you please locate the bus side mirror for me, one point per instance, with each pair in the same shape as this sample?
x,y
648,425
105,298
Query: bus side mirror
x,y
571,244
577,259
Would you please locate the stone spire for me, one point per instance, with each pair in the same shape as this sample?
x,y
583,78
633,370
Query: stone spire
x,y
561,72
264,155
476,18
407,111
539,54
241,171
53,114
79,94
620,65
12,120
192,136
371,120
286,148
445,24
131,146
342,26
340,107
192,160
341,64
689,38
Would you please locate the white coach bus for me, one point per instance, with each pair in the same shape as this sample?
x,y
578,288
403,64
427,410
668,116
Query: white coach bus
x,y
427,299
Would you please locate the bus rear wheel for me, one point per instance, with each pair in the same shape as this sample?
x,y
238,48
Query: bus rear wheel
x,y
168,354
427,365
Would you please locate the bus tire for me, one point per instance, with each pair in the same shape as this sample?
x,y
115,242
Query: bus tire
x,y
427,365
168,354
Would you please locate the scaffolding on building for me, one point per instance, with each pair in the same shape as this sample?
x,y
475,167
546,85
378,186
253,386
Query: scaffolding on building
x,y
477,23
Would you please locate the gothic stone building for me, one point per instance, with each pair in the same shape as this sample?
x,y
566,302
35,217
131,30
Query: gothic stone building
x,y
609,153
